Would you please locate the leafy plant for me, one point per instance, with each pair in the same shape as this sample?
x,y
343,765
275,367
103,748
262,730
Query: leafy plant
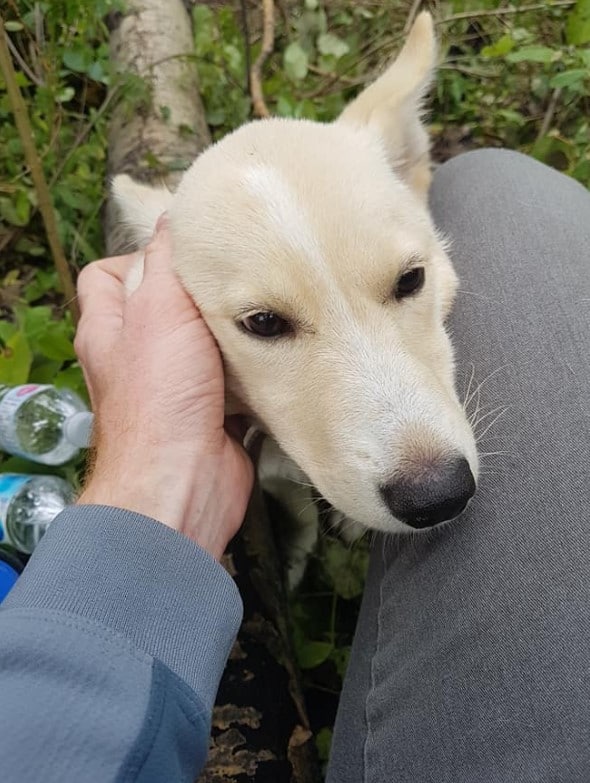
x,y
511,75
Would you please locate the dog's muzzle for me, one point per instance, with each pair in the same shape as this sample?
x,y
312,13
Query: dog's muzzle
x,y
435,496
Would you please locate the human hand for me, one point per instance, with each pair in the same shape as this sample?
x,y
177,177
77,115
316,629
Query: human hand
x,y
155,379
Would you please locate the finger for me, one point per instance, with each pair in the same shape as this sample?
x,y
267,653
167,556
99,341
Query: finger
x,y
101,293
120,266
159,277
158,254
102,282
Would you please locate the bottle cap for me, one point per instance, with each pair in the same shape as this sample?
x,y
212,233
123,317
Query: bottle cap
x,y
8,577
78,429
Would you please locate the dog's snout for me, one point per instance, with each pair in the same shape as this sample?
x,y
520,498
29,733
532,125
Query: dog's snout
x,y
433,496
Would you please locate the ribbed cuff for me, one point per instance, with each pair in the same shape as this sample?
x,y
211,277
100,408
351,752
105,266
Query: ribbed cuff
x,y
140,578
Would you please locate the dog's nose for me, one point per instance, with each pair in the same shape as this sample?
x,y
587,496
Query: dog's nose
x,y
436,496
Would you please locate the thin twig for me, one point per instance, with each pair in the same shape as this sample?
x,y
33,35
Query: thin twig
x,y
547,119
268,37
83,133
505,11
25,132
24,67
246,34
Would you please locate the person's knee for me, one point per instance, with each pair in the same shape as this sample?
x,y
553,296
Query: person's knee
x,y
492,171
480,169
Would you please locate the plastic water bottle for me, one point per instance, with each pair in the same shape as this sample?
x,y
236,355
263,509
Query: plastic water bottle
x,y
28,505
42,423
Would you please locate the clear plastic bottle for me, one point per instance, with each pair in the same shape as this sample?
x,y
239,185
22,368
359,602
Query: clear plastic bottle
x,y
40,423
28,505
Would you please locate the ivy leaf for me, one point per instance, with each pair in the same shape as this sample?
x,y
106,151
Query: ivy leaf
x,y
577,29
77,60
56,345
533,54
65,95
346,568
312,654
323,741
572,78
296,61
15,360
500,48
328,43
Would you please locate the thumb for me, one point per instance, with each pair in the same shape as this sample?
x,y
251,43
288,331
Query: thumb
x,y
158,254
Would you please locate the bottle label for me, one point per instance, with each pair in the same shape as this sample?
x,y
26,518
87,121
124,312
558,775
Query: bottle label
x,y
9,405
10,484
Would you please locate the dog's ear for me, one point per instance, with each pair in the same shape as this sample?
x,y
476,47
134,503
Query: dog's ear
x,y
392,106
139,206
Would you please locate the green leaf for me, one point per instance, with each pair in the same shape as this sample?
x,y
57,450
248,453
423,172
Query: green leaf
x,y
15,360
572,78
533,54
577,29
33,321
7,330
205,29
56,345
296,61
65,95
312,654
13,26
285,106
43,371
328,43
340,657
323,743
16,210
77,59
347,568
73,379
500,48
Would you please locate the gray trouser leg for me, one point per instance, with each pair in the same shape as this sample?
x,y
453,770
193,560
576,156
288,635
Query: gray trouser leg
x,y
471,662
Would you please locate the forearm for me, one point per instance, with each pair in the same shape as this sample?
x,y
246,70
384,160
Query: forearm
x,y
118,630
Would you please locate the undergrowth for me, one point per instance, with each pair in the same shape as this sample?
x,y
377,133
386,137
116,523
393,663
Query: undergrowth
x,y
514,75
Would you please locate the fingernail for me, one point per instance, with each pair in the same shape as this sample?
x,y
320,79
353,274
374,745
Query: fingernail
x,y
162,223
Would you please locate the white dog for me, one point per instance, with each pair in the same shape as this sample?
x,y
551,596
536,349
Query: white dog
x,y
310,252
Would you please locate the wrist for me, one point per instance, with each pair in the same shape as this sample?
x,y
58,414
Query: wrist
x,y
177,490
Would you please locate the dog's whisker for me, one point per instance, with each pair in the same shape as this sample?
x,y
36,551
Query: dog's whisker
x,y
480,385
471,379
306,507
481,435
475,293
475,424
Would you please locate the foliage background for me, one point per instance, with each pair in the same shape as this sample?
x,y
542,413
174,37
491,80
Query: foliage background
x,y
512,74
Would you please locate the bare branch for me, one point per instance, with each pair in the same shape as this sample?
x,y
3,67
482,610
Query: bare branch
x,y
268,37
506,11
46,208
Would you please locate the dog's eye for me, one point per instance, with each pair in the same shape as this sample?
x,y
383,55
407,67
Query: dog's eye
x,y
266,325
410,282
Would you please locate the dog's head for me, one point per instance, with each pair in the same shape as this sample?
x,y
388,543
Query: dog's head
x,y
311,254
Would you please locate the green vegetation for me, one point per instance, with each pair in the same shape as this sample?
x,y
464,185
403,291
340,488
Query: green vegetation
x,y
515,75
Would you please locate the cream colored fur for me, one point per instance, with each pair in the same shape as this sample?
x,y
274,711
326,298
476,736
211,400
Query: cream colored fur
x,y
316,223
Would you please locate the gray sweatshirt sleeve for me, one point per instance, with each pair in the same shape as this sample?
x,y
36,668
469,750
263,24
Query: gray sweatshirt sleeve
x,y
112,645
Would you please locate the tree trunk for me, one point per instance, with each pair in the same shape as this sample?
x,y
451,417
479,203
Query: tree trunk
x,y
260,728
159,127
